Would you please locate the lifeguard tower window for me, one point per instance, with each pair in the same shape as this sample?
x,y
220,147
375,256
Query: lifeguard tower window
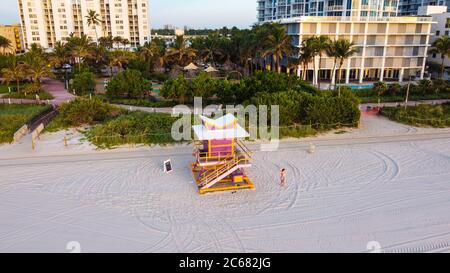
x,y
168,166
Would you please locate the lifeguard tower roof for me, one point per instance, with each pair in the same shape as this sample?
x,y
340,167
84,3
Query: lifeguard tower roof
x,y
221,128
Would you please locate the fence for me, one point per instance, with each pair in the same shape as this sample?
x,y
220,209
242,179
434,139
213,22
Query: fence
x,y
23,131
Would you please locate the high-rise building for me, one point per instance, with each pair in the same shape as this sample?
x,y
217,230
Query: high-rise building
x,y
14,34
283,9
390,48
411,7
45,22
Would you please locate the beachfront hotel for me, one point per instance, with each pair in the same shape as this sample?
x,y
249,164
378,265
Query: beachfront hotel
x,y
412,7
14,34
45,22
390,48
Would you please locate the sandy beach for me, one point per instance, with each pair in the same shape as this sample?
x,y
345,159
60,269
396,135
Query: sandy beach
x,y
385,183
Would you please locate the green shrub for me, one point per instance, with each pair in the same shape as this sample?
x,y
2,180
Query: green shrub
x,y
129,84
84,83
82,111
437,116
133,128
323,111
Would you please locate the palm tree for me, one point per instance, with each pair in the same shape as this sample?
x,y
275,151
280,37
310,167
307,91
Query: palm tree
x,y
344,50
4,44
380,88
208,47
125,42
80,48
38,68
93,20
107,42
331,52
16,71
118,58
60,55
320,45
279,45
153,51
117,41
441,46
180,52
306,56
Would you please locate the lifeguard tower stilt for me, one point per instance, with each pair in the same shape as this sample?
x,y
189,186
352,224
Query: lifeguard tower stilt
x,y
221,156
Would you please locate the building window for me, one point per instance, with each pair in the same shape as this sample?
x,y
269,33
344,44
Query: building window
x,y
446,33
447,23
438,32
434,55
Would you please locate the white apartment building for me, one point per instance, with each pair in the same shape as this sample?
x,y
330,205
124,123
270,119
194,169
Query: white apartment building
x,y
441,28
390,48
284,9
45,22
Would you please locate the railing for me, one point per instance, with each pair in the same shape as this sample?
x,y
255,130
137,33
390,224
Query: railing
x,y
403,19
215,174
244,148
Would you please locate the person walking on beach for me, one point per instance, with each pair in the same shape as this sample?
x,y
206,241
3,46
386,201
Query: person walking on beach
x,y
283,177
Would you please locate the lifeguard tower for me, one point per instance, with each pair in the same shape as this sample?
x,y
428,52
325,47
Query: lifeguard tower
x,y
221,156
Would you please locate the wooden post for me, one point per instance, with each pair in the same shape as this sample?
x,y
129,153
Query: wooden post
x,y
65,141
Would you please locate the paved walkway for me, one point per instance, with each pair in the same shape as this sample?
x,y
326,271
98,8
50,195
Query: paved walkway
x,y
54,87
58,90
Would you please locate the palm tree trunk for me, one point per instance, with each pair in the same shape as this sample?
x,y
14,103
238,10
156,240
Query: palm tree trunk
x,y
318,74
340,77
18,85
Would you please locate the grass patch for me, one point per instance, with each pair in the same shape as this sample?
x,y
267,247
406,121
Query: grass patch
x,y
29,96
133,128
4,89
14,116
424,115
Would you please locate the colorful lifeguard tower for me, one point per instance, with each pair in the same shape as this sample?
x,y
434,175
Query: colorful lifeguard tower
x,y
221,156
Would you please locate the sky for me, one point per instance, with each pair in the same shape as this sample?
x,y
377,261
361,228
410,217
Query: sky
x,y
180,13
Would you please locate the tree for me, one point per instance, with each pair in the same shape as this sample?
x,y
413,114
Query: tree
x,y
129,84
117,41
331,52
441,46
203,86
208,47
93,20
340,50
80,48
4,44
38,68
118,58
16,71
180,53
153,51
380,88
307,52
344,49
177,88
279,45
320,45
60,55
84,83
107,42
